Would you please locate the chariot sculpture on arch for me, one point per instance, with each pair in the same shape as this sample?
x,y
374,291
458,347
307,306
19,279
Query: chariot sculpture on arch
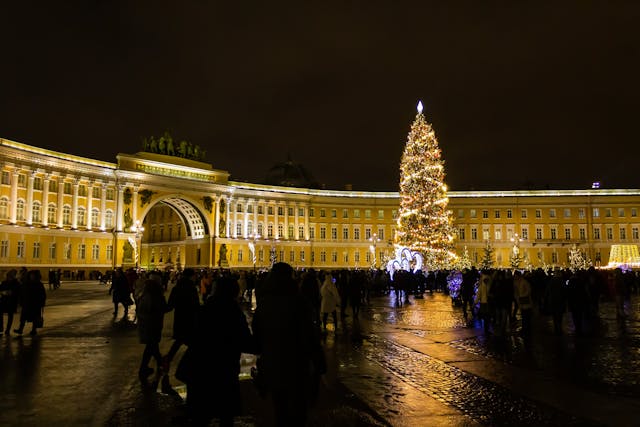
x,y
165,145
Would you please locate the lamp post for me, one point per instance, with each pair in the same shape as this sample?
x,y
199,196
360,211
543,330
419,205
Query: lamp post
x,y
374,243
253,237
138,229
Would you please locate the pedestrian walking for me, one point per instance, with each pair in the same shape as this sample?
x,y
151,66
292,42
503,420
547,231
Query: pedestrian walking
x,y
9,294
522,295
120,292
33,297
184,300
330,301
221,335
291,359
150,314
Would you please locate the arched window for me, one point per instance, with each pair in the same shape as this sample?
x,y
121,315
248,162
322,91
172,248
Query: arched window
x,y
82,216
4,207
20,210
108,219
36,212
66,215
51,213
95,217
260,229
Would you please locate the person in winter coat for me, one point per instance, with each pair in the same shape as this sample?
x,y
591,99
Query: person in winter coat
x,y
522,295
9,294
291,359
330,301
33,297
482,297
185,302
556,300
150,314
221,335
120,293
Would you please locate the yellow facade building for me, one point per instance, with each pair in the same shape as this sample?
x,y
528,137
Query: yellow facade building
x,y
58,210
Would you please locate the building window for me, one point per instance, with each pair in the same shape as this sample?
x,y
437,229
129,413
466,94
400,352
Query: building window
x,y
367,233
260,229
37,183
5,178
4,208
280,210
66,188
52,251
498,234
36,212
345,257
238,229
381,233
567,234
474,233
367,213
460,213
53,186
380,213
509,213
261,255
108,219
554,233
524,233
260,209
356,256
368,257
82,251
485,234
334,233
20,252
238,207
312,212
20,210
82,191
301,232
301,255
461,235
538,233
22,180
36,250
323,233
621,212
596,234
581,213
290,229
95,192
66,215
596,212
345,213
110,252
567,213
4,249
634,212
334,213
239,255
609,233
582,233
538,213
290,211
356,234
496,213
485,214
523,213
634,233
334,257
608,213
300,211
269,210
95,252
312,232
554,257
280,231
323,256
82,221
552,213
95,217
623,233
345,233
472,213
323,213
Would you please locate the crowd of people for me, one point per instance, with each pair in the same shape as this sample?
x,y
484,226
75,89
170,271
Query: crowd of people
x,y
22,288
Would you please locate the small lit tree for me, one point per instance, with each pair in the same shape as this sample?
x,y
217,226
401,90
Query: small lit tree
x,y
487,257
577,259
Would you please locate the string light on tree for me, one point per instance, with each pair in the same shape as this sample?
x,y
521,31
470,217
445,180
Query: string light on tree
x,y
424,223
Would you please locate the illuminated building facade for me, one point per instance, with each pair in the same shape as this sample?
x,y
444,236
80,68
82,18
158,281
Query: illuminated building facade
x,y
62,211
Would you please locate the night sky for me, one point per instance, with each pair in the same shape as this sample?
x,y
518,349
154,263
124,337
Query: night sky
x,y
521,94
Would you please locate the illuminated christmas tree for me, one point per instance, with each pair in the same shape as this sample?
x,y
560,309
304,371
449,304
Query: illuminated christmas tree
x,y
424,223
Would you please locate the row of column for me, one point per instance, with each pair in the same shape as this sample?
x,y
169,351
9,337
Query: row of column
x,y
60,199
231,218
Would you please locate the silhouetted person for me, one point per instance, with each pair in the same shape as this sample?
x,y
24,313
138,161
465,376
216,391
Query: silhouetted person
x,y
467,290
9,293
330,301
185,302
522,294
221,335
556,300
120,292
150,314
32,299
310,290
291,358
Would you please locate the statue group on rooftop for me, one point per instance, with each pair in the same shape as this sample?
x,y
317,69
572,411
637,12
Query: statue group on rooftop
x,y
166,145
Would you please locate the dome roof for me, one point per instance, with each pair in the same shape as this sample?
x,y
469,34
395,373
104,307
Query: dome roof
x,y
290,174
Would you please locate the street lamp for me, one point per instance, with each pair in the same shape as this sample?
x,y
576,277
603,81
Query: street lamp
x,y
138,229
253,237
374,242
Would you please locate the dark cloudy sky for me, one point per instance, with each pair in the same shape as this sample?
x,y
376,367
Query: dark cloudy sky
x,y
541,93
